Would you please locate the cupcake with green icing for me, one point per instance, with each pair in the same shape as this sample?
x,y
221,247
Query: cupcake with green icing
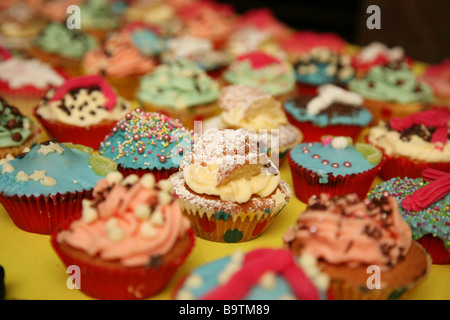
x,y
424,204
334,166
62,47
181,90
147,142
16,130
98,18
43,187
392,90
268,73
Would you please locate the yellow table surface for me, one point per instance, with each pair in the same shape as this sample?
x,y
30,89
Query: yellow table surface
x,y
34,271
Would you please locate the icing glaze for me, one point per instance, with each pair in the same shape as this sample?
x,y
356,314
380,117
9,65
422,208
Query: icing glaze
x,y
438,77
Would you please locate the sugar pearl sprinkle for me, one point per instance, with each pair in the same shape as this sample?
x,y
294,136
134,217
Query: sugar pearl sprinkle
x,y
143,132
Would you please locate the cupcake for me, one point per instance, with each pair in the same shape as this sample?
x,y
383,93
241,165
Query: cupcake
x,y
249,108
44,186
228,189
438,78
299,43
424,204
182,90
19,25
413,143
334,166
62,47
18,131
24,82
146,142
155,13
322,66
333,111
261,274
364,246
98,18
125,56
53,10
208,19
129,241
83,110
392,90
200,51
375,54
267,73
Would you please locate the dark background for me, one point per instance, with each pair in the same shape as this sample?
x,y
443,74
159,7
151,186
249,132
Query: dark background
x,y
421,27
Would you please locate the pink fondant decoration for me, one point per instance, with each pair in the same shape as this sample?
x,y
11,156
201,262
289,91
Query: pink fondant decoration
x,y
258,59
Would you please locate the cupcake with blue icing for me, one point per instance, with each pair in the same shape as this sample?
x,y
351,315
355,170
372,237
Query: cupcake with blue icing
x,y
334,166
44,186
333,111
261,274
180,89
147,142
424,204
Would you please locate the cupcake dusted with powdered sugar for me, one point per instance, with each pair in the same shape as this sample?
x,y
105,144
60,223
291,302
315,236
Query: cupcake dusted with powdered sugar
x,y
228,189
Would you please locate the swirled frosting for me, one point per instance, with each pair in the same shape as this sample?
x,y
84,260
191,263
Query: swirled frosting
x,y
394,82
376,53
412,136
129,220
57,38
438,77
98,14
181,84
84,104
14,127
347,230
263,71
301,42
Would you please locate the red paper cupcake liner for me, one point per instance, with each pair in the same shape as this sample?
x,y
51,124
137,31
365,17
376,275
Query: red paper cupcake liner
x,y
44,214
436,248
306,182
160,174
90,136
402,167
313,133
109,283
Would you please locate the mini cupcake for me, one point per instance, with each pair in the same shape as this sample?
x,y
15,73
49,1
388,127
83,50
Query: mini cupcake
x,y
334,111
98,18
200,51
267,73
322,66
182,90
413,143
45,185
24,82
83,110
145,142
18,131
261,274
392,90
375,54
333,166
129,241
424,204
364,246
249,108
62,47
208,19
438,78
228,189
124,57
299,43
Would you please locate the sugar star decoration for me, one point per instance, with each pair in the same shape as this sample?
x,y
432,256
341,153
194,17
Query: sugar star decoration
x,y
279,197
51,147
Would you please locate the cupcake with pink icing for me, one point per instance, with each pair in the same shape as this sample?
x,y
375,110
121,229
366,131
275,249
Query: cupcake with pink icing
x,y
352,239
24,82
124,57
83,110
438,78
129,241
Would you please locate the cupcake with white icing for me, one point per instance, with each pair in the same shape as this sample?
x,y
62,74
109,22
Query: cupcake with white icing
x,y
83,110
